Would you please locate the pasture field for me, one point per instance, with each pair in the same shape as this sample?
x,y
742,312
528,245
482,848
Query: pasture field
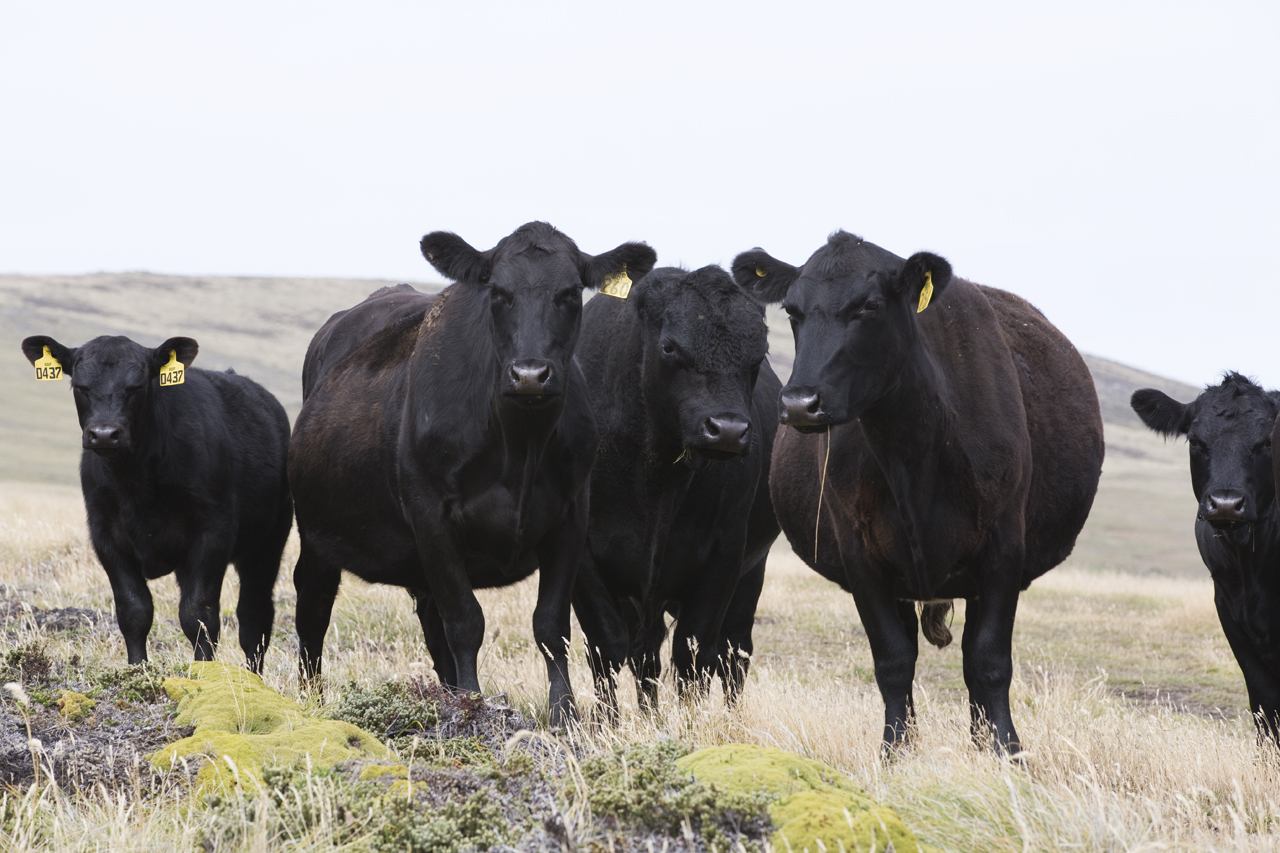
x,y
1126,695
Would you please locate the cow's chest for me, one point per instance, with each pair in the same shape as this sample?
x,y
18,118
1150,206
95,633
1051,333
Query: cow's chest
x,y
158,528
499,519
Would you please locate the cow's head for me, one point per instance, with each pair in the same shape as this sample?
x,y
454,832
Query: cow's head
x,y
704,340
853,311
534,279
113,380
1229,430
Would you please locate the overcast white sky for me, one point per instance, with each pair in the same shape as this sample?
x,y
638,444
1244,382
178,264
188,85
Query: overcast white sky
x,y
1115,163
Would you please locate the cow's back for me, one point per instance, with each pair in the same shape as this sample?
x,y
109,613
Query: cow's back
x,y
347,330
1064,424
259,434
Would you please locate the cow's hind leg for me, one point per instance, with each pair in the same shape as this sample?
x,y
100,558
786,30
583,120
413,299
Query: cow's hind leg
x,y
736,648
437,642
607,636
316,580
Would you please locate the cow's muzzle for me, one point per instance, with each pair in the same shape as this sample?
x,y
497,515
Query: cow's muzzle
x,y
1225,510
723,436
530,378
802,409
108,438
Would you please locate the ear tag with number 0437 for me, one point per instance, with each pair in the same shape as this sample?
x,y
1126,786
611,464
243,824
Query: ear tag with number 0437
x,y
48,368
172,373
618,284
926,292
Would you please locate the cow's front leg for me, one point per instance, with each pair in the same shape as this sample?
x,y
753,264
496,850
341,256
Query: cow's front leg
x,y
134,609
461,617
1261,679
696,646
894,636
200,587
433,633
558,555
736,646
987,644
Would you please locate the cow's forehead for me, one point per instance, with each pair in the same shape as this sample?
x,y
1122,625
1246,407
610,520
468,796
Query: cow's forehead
x,y
1234,410
536,269
111,350
108,355
723,331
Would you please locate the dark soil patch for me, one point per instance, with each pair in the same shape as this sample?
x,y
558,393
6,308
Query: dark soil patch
x,y
106,744
1178,699
17,616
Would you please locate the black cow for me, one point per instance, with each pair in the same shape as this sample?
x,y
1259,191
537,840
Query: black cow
x,y
680,512
1230,429
445,444
184,478
945,453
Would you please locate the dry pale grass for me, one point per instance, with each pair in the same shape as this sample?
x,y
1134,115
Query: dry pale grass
x,y
1145,762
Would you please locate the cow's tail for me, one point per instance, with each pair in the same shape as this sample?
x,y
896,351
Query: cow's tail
x,y
933,622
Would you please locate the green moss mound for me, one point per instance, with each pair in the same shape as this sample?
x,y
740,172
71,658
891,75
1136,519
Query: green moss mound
x,y
242,725
640,787
816,808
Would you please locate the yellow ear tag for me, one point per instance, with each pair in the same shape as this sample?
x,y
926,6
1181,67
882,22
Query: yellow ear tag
x,y
172,373
618,284
761,273
926,292
48,368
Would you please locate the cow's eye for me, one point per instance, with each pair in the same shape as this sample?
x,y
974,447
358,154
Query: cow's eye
x,y
506,297
668,348
871,305
566,297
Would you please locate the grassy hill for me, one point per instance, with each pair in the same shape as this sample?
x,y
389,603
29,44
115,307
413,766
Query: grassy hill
x,y
261,327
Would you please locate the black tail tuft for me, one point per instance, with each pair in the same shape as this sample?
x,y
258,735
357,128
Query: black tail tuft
x,y
933,623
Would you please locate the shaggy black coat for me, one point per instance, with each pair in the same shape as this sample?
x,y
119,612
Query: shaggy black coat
x,y
445,442
184,479
680,515
952,452
1231,428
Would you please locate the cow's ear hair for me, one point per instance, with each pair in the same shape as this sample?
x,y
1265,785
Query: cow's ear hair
x,y
911,278
186,349
455,258
1160,412
763,276
33,349
635,259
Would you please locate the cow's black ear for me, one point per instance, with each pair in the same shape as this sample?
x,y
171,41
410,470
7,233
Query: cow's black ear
x,y
763,276
186,349
634,259
920,269
1161,412
455,258
33,348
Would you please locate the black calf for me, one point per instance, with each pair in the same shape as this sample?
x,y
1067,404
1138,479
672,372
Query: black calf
x,y
182,475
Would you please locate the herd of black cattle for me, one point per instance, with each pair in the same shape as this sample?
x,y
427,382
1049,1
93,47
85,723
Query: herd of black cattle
x,y
939,440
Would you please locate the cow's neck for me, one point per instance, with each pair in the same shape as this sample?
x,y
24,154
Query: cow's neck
x,y
908,432
524,435
1249,558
